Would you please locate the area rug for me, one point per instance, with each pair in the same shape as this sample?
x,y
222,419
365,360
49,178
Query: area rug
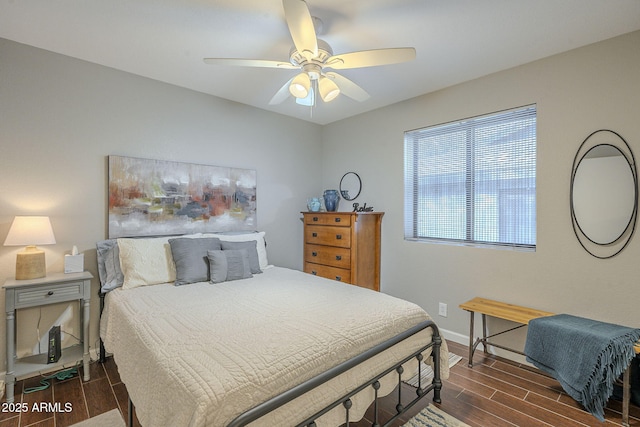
x,y
113,418
427,372
432,416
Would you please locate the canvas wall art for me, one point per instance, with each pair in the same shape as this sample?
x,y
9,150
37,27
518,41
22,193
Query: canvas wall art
x,y
159,198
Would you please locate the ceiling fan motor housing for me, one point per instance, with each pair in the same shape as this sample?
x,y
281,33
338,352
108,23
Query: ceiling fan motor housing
x,y
313,66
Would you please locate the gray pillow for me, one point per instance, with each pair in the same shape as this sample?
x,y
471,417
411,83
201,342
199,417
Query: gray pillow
x,y
252,250
229,265
109,270
190,257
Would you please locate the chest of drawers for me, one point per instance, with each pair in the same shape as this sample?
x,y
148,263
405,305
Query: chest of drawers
x,y
343,246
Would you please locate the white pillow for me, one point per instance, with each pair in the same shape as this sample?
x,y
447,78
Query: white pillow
x,y
146,261
258,237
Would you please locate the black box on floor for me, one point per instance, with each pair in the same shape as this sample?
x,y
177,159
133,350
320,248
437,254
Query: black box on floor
x,y
54,345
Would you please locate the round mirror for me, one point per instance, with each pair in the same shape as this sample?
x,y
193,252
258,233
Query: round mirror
x,y
350,186
604,193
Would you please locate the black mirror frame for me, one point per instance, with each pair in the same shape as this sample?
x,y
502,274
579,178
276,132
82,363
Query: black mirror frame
x,y
605,250
359,186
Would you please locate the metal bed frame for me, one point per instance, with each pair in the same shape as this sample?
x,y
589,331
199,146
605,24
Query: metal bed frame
x,y
345,400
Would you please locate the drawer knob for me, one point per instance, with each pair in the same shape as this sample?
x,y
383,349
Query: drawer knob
x,y
339,236
315,218
314,272
50,293
339,278
337,219
314,234
314,253
338,257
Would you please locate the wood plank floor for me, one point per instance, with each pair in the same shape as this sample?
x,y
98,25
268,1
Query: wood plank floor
x,y
494,393
105,391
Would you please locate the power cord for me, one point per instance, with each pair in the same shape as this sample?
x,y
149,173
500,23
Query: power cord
x,y
60,376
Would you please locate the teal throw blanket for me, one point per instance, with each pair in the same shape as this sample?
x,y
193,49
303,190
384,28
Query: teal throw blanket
x,y
584,355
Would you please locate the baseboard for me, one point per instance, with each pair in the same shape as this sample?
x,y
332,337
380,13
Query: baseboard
x,y
454,336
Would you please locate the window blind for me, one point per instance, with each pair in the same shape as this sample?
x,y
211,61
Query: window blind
x,y
473,181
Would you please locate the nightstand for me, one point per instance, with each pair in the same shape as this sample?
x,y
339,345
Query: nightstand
x,y
55,288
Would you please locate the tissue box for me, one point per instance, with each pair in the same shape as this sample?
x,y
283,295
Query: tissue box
x,y
74,263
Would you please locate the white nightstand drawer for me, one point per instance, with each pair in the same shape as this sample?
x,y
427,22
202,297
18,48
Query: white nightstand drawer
x,y
40,295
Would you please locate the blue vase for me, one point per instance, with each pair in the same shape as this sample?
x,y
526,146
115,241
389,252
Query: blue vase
x,y
314,204
331,200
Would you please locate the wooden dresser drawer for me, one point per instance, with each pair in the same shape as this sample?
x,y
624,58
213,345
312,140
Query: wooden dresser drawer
x,y
328,235
334,273
328,255
337,219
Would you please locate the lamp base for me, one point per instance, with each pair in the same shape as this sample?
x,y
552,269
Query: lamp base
x,y
30,264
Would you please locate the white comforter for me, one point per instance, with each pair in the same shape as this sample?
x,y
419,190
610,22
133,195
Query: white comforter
x,y
201,354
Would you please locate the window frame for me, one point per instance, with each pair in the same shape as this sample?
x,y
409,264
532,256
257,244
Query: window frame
x,y
412,196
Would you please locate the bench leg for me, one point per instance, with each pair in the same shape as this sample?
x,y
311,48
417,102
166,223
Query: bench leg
x,y
484,333
471,346
626,396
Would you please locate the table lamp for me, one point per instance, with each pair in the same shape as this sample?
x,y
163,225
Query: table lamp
x,y
30,231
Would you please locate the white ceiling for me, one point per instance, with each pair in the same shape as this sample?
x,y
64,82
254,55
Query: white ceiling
x,y
455,40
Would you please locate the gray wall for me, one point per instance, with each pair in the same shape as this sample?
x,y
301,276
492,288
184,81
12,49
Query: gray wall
x,y
576,93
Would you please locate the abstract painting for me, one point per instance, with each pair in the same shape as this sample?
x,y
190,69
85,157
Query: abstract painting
x,y
159,198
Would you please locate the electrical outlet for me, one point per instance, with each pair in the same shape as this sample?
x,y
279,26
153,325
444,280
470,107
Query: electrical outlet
x,y
442,309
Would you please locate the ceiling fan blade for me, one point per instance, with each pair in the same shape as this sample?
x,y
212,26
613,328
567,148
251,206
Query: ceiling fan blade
x,y
262,63
301,27
348,88
370,58
282,93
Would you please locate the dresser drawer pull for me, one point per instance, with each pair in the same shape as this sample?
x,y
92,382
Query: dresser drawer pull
x,y
339,278
314,234
338,236
315,218
314,272
49,293
314,253
337,219
338,257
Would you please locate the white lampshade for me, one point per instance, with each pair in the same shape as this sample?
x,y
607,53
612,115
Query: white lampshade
x,y
328,89
300,85
30,231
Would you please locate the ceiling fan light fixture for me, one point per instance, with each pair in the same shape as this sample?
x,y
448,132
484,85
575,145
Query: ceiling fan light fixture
x,y
328,89
300,85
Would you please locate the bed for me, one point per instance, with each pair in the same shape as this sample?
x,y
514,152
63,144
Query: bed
x,y
196,353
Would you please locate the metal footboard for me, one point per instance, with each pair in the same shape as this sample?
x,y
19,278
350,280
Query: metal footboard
x,y
435,386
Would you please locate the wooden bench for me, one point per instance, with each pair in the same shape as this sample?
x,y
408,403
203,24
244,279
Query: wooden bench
x,y
523,315
500,310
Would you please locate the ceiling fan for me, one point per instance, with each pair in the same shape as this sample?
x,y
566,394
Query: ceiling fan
x,y
313,57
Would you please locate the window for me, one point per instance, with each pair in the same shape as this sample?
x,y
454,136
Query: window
x,y
473,181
